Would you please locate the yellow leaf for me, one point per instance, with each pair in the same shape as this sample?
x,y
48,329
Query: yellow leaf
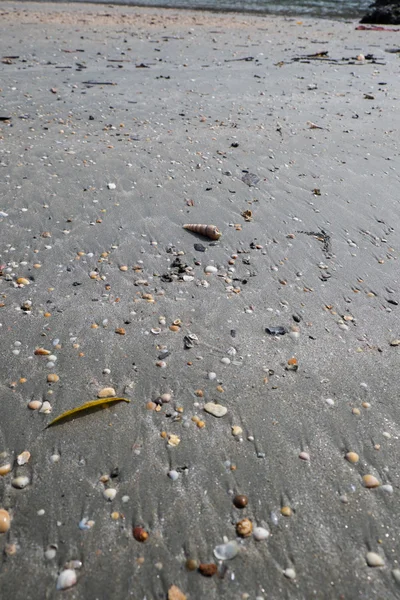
x,y
87,406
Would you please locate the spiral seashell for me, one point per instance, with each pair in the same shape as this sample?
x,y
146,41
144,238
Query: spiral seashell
x,y
210,231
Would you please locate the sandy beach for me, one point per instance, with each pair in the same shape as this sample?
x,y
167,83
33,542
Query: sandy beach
x,y
258,457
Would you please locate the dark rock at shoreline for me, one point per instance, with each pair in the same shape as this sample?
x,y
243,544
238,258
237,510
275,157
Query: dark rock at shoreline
x,y
383,12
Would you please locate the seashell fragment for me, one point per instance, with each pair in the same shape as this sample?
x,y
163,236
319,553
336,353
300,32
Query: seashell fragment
x,y
226,551
175,593
210,231
107,392
260,533
66,579
244,528
374,560
23,458
5,469
370,481
109,494
5,520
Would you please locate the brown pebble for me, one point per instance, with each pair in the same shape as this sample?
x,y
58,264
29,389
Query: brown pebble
x,y
208,569
123,268
356,411
23,281
5,520
5,469
240,501
120,331
192,564
52,378
244,528
174,593
370,481
140,534
42,352
151,405
286,511
174,328
199,393
352,457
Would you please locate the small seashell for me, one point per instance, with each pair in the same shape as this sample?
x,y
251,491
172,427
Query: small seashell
x,y
85,523
260,533
42,352
226,551
23,458
210,231
286,511
140,534
173,440
109,494
23,281
240,501
155,330
66,579
52,378
370,481
51,551
5,520
107,392
207,569
304,456
352,457
290,573
20,482
175,593
236,430
5,469
374,560
244,528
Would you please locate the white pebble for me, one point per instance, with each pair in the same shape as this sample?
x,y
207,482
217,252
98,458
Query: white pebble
x,y
330,401
388,488
111,186
54,458
304,456
109,494
212,376
260,533
210,269
66,579
20,482
46,408
387,435
226,360
125,499
40,512
50,552
173,475
217,410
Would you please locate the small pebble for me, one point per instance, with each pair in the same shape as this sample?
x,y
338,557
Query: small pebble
x,y
174,475
244,528
330,401
52,378
374,560
50,552
240,501
260,533
286,511
212,376
388,488
217,410
396,575
125,499
140,534
5,469
66,579
236,430
23,458
35,404
110,493
210,269
175,593
5,520
207,569
111,186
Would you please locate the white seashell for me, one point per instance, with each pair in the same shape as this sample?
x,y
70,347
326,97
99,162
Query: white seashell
x,y
227,551
187,278
50,552
212,376
231,351
210,269
374,560
55,458
20,482
217,410
109,494
46,408
111,186
290,573
66,579
225,360
23,458
107,392
173,475
260,533
388,488
85,523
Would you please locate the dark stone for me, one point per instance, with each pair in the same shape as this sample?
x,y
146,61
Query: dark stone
x,y
383,12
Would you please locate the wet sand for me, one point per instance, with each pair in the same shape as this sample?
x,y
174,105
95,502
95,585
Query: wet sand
x,y
124,125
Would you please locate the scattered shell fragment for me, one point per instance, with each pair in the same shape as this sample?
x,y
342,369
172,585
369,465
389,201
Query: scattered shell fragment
x,y
120,331
173,440
210,231
140,534
352,457
20,482
107,392
227,551
175,593
66,579
110,493
23,281
260,533
5,520
395,342
46,408
42,352
286,511
210,269
244,528
236,430
370,481
374,560
217,410
23,458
